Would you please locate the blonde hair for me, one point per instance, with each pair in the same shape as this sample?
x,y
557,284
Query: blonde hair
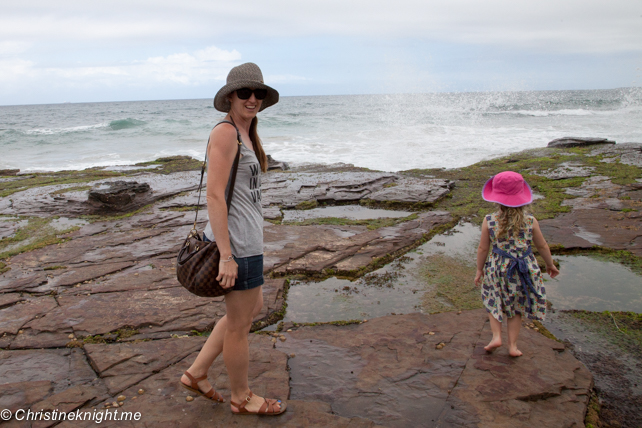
x,y
511,220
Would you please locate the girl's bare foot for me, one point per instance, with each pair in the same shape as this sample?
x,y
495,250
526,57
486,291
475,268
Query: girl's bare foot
x,y
514,352
495,343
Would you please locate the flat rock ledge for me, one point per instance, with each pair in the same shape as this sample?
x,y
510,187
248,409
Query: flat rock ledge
x,y
384,372
390,370
578,142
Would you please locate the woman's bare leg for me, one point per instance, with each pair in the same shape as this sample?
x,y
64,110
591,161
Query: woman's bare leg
x,y
241,307
496,328
212,349
514,324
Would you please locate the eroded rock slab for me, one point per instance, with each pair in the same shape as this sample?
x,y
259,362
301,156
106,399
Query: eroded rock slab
x,y
578,142
567,170
122,365
53,200
165,310
164,404
60,368
120,196
288,190
588,227
390,371
545,387
616,370
291,249
626,153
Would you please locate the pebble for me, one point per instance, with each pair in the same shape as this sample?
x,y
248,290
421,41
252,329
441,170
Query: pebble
x,y
289,330
71,336
440,345
274,340
432,333
19,331
459,313
120,403
365,320
121,398
141,391
136,274
292,355
114,404
107,404
189,398
282,339
536,329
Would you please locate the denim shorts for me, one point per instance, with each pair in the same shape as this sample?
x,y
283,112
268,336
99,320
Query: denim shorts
x,y
250,273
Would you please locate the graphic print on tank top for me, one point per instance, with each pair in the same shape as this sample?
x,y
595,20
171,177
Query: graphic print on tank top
x,y
255,187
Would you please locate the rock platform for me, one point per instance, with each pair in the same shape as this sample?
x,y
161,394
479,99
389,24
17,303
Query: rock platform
x,y
100,314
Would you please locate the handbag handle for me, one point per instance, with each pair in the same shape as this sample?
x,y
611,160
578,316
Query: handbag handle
x,y
235,168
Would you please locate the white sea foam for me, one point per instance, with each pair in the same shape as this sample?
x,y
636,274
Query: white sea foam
x,y
52,131
385,132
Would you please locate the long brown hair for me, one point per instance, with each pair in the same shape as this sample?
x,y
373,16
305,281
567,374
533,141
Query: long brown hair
x,y
258,148
512,220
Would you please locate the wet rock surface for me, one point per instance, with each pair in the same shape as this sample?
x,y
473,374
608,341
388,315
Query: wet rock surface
x,y
568,170
119,196
274,164
618,379
603,214
578,142
100,313
392,371
626,153
289,190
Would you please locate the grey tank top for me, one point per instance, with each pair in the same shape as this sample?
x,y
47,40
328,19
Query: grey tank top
x,y
245,218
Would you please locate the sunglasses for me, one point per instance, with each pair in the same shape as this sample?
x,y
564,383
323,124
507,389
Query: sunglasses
x,y
246,93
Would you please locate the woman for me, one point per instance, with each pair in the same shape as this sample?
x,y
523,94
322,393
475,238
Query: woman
x,y
239,237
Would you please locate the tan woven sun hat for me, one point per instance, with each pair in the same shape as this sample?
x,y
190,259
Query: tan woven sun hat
x,y
246,75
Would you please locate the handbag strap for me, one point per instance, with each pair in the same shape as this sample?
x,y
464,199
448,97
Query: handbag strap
x,y
235,168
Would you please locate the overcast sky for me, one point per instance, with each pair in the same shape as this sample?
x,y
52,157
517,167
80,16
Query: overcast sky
x,y
78,51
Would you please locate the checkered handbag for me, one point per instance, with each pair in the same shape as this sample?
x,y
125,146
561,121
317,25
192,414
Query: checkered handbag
x,y
197,261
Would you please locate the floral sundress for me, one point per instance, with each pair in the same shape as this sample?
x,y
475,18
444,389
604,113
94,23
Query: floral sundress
x,y
506,296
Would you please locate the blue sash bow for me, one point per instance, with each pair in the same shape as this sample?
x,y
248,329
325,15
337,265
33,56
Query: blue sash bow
x,y
520,265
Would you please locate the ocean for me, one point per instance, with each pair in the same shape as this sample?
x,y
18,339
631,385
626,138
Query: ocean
x,y
383,132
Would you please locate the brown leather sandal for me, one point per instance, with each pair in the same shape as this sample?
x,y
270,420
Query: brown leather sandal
x,y
210,395
267,409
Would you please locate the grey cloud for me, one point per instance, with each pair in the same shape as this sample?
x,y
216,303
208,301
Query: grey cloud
x,y
544,25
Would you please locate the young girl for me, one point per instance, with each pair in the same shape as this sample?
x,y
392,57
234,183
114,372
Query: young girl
x,y
510,278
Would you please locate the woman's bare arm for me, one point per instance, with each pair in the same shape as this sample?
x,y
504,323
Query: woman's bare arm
x,y
221,154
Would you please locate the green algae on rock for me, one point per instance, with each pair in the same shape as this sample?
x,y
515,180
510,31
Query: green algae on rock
x,y
467,202
37,233
450,282
170,164
41,179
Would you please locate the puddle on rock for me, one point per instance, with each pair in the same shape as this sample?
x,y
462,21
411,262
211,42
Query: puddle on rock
x,y
592,284
353,212
121,168
395,288
64,223
399,287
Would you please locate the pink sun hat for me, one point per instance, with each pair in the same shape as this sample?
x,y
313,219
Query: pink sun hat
x,y
508,188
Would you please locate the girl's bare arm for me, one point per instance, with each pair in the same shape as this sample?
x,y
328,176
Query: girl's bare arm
x,y
482,252
544,250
